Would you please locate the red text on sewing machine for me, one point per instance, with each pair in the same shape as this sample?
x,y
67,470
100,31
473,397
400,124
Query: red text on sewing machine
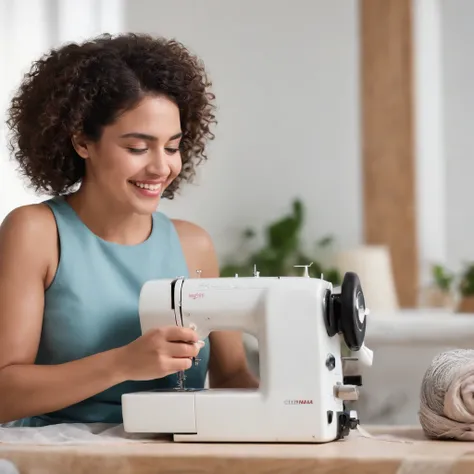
x,y
195,296
298,402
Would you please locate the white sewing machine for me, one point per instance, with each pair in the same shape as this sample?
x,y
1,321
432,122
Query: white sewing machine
x,y
297,322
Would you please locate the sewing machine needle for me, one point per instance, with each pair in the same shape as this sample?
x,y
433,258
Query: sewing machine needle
x,y
181,379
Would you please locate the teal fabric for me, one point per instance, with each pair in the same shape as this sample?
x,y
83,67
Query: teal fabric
x,y
92,306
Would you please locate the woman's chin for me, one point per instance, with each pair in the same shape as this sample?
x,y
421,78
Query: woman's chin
x,y
145,207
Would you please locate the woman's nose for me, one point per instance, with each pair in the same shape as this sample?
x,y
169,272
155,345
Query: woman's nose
x,y
159,164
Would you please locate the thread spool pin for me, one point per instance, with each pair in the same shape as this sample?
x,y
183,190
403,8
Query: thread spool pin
x,y
255,272
306,269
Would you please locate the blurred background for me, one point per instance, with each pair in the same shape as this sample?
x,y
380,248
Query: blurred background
x,y
344,140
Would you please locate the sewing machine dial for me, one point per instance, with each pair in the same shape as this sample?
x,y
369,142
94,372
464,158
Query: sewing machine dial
x,y
346,312
360,307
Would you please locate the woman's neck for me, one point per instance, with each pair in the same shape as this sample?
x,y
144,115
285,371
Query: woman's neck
x,y
108,220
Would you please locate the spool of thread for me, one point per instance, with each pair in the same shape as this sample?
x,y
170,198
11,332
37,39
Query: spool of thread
x,y
447,396
373,265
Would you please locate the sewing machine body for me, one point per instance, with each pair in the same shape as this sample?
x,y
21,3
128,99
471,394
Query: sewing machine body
x,y
302,392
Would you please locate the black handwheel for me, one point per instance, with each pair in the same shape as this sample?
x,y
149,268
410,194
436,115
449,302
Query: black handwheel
x,y
353,312
331,313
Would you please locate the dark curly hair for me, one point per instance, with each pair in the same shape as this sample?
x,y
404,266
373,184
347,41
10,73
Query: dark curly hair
x,y
80,88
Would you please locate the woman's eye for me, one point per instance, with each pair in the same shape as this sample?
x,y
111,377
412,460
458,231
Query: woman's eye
x,y
172,151
137,151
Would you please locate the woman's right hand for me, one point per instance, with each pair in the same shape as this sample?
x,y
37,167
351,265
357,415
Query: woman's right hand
x,y
158,353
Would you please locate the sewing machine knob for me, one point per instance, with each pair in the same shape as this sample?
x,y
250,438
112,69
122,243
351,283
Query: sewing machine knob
x,y
353,312
353,420
346,422
346,392
330,362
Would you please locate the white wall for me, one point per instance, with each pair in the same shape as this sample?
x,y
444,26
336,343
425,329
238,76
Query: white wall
x,y
28,28
429,136
287,87
458,94
20,43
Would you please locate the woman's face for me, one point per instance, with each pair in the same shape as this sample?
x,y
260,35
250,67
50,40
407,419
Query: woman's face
x,y
137,157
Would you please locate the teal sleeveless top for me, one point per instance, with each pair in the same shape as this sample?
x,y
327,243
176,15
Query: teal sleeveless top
x,y
92,306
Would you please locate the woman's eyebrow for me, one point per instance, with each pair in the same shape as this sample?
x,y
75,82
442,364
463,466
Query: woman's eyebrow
x,y
146,136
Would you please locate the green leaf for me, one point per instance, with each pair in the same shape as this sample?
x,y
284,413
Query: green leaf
x,y
325,241
282,249
442,278
467,280
249,233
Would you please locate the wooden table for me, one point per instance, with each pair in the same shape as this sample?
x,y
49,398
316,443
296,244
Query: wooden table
x,y
354,455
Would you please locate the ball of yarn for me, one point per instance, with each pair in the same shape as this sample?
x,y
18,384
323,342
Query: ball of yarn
x,y
447,396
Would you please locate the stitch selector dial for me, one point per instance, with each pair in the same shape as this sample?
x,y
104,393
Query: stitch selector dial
x,y
346,312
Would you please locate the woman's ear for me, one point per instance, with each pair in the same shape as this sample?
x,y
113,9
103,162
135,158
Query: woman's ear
x,y
80,145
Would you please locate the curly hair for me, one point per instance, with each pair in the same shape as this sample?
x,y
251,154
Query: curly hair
x,y
80,88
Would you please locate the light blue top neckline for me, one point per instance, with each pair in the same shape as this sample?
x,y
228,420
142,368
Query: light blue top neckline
x,y
147,241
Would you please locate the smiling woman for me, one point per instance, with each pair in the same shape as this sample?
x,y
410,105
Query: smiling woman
x,y
108,128
138,156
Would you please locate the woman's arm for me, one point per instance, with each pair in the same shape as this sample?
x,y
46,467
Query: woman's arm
x,y
228,367
28,250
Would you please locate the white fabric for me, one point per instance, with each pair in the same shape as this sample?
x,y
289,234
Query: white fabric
x,y
70,433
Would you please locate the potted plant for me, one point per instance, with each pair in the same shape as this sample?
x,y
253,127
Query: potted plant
x,y
440,294
282,251
466,289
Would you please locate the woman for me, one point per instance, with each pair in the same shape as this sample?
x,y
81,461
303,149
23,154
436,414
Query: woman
x,y
108,128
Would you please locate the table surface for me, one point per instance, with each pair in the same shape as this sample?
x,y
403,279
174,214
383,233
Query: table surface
x,y
397,450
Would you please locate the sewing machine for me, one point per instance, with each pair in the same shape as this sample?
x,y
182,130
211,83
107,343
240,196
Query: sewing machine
x,y
297,321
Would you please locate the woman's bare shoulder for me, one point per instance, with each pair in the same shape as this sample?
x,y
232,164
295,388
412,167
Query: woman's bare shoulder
x,y
29,222
28,237
198,248
193,233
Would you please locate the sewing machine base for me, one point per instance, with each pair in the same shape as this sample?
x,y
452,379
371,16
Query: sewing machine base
x,y
175,413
